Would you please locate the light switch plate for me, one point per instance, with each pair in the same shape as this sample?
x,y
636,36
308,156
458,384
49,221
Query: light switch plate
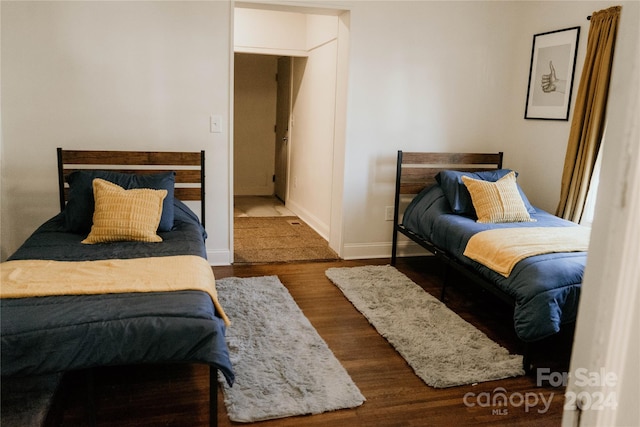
x,y
215,123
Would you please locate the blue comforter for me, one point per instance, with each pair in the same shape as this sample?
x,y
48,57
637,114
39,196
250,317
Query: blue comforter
x,y
53,334
51,241
545,288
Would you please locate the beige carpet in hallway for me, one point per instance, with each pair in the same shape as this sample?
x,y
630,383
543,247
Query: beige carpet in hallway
x,y
277,239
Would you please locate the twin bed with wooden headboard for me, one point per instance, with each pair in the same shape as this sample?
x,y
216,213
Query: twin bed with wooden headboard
x,y
120,276
474,217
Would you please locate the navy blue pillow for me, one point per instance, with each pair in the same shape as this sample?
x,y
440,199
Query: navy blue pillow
x,y
458,196
81,204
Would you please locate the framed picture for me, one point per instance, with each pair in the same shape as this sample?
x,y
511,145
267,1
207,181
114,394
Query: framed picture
x,y
553,64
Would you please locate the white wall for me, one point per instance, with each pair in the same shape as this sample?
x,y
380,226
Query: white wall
x,y
269,31
314,125
312,136
424,76
110,75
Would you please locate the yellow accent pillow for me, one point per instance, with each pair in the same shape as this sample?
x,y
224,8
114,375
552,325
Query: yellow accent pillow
x,y
125,215
498,201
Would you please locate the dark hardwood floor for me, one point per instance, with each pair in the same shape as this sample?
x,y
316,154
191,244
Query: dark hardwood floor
x,y
178,395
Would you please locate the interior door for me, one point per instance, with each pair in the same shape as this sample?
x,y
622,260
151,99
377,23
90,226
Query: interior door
x,y
283,113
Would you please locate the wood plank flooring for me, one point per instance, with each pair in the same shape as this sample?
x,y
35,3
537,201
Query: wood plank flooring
x,y
178,395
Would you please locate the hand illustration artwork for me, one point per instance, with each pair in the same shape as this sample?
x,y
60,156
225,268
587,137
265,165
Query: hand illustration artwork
x,y
550,83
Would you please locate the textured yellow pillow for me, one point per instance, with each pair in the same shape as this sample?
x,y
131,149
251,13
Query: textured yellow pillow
x,y
498,201
125,215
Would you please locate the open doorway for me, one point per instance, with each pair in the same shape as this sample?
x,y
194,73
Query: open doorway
x,y
255,110
262,111
303,154
283,121
265,230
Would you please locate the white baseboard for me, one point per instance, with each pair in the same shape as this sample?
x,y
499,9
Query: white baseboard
x,y
382,250
219,257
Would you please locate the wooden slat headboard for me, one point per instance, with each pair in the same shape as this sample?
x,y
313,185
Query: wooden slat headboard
x,y
188,166
416,171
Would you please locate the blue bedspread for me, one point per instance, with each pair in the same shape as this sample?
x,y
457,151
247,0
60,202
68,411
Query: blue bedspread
x,y
51,241
53,334
545,288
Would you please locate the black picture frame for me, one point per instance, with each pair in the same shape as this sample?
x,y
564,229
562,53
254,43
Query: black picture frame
x,y
551,74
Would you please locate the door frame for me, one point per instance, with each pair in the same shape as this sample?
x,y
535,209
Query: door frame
x,y
336,222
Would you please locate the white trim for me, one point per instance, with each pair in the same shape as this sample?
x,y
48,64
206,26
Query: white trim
x,y
382,250
230,203
270,51
607,328
219,257
336,216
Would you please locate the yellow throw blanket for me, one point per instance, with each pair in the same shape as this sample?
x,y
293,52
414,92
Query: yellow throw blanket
x,y
32,278
500,249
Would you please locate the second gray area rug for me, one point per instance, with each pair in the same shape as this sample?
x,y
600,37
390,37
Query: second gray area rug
x,y
282,365
442,348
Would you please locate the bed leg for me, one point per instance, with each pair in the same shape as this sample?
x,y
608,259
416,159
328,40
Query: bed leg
x,y
445,279
394,246
91,397
213,396
396,208
527,365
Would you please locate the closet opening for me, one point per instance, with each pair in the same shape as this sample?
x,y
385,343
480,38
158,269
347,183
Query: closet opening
x,y
289,106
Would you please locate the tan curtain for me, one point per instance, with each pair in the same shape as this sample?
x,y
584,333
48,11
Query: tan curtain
x,y
588,123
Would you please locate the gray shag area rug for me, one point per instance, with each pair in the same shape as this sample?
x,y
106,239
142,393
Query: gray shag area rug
x,y
283,367
442,348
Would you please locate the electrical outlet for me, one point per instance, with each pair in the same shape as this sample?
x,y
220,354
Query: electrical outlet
x,y
388,213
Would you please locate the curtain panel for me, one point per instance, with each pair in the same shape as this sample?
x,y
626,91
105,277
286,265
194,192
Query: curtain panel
x,y
588,123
